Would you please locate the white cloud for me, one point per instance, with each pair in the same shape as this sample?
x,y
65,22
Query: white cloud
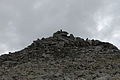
x,y
4,48
104,22
104,16
116,34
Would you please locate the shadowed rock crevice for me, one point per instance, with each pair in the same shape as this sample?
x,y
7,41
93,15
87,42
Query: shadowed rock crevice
x,y
62,57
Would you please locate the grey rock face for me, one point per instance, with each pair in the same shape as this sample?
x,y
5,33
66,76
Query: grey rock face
x,y
62,57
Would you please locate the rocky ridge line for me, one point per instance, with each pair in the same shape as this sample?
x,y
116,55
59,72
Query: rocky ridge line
x,y
62,57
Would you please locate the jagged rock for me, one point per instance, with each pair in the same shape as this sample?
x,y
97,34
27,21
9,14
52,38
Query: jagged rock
x,y
72,37
98,48
62,57
60,44
60,34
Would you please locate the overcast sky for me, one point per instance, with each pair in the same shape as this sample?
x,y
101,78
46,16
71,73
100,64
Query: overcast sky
x,y
22,21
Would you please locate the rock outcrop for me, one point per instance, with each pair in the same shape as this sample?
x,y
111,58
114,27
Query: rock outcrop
x,y
62,57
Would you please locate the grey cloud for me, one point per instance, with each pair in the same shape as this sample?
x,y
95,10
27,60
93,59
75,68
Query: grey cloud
x,y
23,21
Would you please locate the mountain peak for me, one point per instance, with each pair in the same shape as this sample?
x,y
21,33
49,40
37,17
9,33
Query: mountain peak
x,y
60,33
62,57
62,39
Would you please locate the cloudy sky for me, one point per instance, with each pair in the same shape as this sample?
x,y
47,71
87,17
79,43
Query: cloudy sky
x,y
22,21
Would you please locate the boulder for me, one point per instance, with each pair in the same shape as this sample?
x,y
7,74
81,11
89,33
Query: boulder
x,y
72,37
60,34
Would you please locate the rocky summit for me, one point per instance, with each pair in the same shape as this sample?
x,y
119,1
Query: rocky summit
x,y
62,57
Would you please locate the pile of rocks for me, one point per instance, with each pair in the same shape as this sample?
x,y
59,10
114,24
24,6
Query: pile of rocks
x,y
61,39
62,57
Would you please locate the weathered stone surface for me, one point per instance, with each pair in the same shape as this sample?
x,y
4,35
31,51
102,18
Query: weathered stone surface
x,y
72,37
60,34
62,57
